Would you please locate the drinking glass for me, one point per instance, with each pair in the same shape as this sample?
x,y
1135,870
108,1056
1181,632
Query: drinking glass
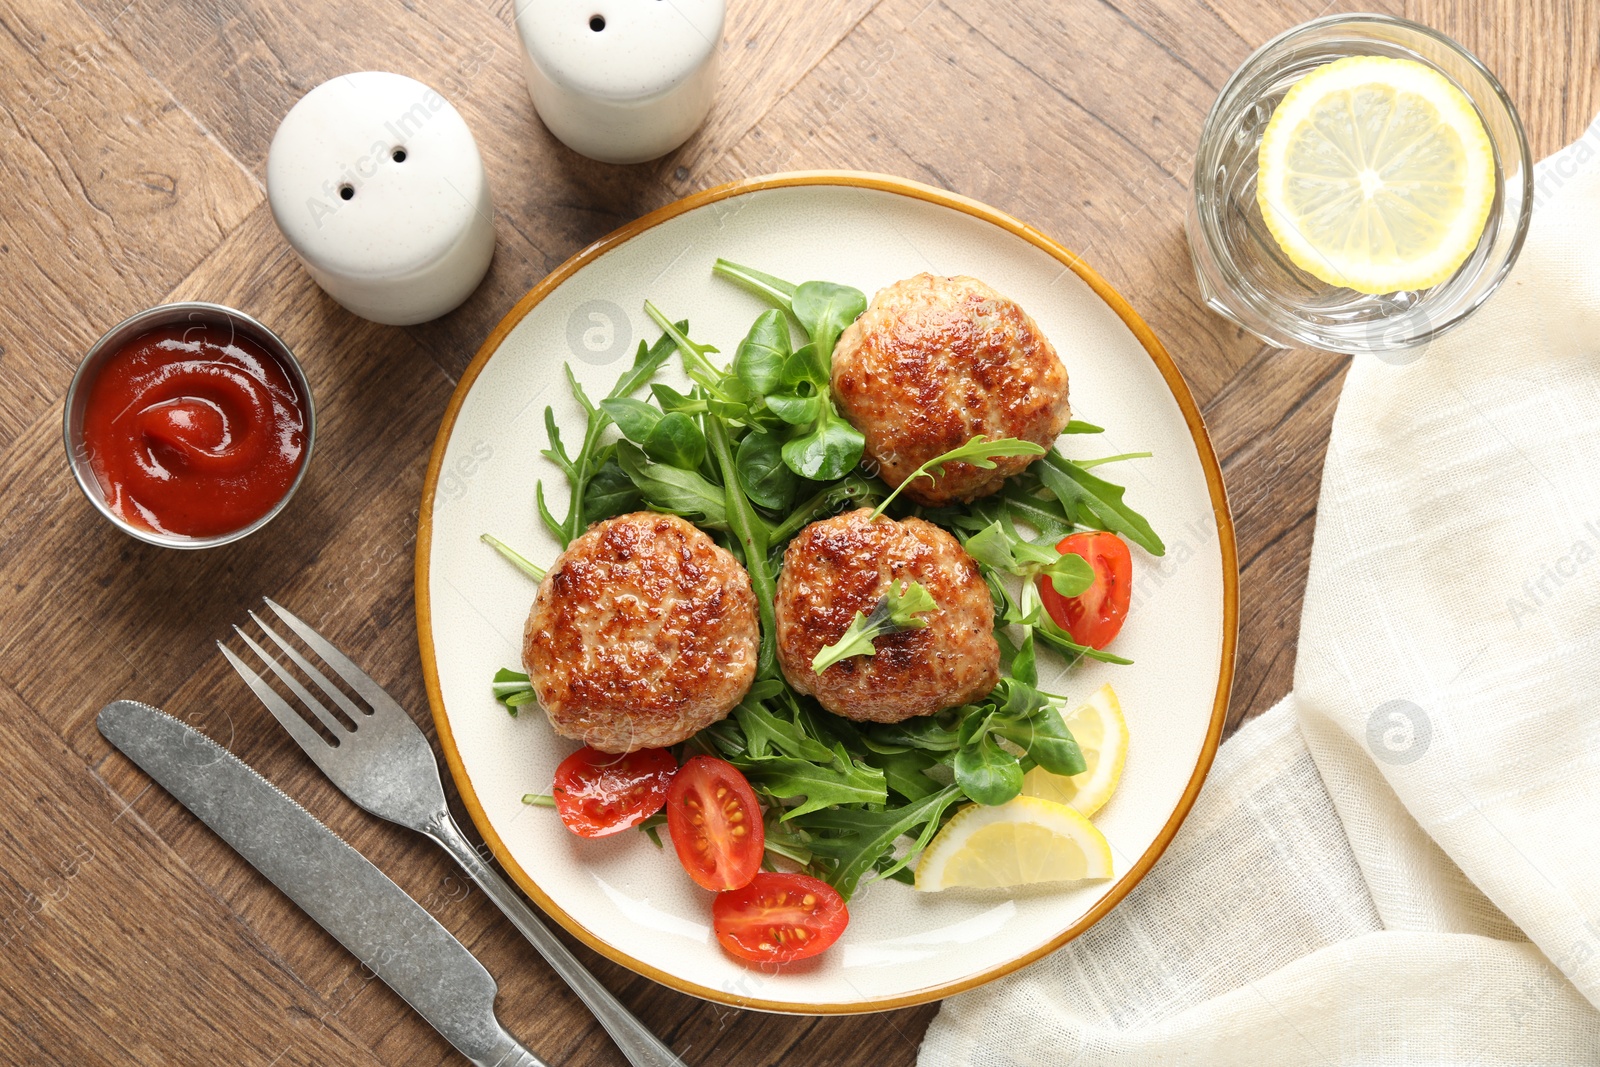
x,y
1245,275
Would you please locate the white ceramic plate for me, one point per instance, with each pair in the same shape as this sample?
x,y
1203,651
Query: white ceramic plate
x,y
619,894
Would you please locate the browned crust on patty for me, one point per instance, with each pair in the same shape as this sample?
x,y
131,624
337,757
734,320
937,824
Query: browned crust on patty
x,y
934,362
643,632
839,566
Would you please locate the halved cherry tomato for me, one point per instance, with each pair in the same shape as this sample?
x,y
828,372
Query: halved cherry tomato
x,y
779,917
599,793
715,823
1094,617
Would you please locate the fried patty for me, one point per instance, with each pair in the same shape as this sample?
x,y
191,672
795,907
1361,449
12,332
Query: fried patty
x,y
642,633
934,362
839,566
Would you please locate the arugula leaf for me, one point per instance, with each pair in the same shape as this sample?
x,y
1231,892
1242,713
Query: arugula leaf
x,y
980,452
1085,464
927,732
763,475
1061,641
850,841
828,500
695,364
532,570
512,689
776,290
1090,501
786,841
580,469
1028,501
840,781
765,732
1079,426
905,772
896,610
671,489
753,535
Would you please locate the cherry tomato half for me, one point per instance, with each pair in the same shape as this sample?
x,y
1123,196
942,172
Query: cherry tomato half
x,y
1094,617
715,822
599,793
779,917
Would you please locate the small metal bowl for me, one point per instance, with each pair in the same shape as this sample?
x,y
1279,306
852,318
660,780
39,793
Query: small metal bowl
x,y
112,342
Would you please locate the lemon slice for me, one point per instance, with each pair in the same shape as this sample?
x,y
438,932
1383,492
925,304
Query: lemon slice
x,y
1023,841
1102,734
1376,175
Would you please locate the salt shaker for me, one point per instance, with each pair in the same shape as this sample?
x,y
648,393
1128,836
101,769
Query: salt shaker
x,y
377,184
621,81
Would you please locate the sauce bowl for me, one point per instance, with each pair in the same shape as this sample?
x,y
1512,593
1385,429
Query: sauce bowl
x,y
113,342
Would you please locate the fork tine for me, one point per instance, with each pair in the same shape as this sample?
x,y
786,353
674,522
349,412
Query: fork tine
x,y
334,692
335,727
304,735
354,676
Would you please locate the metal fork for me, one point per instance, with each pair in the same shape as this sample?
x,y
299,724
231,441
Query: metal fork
x,y
386,765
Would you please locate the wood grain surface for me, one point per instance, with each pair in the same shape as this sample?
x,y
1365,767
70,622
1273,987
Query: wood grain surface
x,y
133,140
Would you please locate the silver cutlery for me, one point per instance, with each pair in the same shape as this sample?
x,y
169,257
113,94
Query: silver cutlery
x,y
333,883
385,764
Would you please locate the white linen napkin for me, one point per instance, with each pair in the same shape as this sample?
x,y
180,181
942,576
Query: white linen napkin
x,y
1400,863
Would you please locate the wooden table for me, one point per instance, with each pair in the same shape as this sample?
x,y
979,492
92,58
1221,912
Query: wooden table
x,y
131,173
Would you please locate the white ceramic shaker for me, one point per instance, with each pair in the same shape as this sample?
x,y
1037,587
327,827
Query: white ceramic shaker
x,y
377,184
621,81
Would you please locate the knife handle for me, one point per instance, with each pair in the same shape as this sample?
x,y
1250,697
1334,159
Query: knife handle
x,y
508,1052
641,1047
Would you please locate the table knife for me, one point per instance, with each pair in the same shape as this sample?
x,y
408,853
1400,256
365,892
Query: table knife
x,y
338,887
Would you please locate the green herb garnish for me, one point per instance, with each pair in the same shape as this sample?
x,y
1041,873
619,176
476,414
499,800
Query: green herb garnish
x,y
897,610
980,452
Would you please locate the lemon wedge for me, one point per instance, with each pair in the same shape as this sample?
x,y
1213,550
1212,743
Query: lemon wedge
x,y
1023,841
1376,174
1102,734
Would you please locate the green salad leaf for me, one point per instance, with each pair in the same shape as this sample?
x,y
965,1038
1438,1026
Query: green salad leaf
x,y
898,609
516,558
1092,502
512,689
682,492
980,452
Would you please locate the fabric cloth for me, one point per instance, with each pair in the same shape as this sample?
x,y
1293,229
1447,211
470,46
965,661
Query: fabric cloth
x,y
1400,863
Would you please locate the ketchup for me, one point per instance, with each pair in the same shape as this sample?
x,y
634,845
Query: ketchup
x,y
194,430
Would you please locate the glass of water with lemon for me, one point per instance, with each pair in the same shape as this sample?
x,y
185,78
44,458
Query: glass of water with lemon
x,y
1362,184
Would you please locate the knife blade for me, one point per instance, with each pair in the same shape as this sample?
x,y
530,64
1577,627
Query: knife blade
x,y
390,933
